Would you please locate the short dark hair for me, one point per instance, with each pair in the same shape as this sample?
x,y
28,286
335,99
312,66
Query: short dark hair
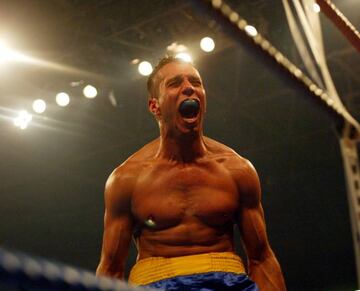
x,y
151,82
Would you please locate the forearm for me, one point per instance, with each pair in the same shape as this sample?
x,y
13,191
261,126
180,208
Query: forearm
x,y
105,270
267,274
115,247
113,257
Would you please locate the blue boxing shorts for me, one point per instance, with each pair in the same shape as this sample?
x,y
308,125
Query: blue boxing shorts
x,y
206,272
207,282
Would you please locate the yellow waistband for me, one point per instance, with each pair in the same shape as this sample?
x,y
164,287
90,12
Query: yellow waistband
x,y
155,269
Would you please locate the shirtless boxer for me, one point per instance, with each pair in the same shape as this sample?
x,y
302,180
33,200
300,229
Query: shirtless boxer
x,y
180,197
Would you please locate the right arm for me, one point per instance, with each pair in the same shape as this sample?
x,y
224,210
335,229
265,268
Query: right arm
x,y
118,224
263,267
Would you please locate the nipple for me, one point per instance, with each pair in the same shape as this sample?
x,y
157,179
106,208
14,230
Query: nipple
x,y
150,222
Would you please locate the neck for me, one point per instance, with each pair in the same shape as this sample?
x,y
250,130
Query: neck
x,y
184,148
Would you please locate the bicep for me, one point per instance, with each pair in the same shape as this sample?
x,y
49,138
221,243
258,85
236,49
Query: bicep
x,y
251,220
253,231
116,241
118,225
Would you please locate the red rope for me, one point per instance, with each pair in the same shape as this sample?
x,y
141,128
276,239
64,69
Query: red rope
x,y
342,23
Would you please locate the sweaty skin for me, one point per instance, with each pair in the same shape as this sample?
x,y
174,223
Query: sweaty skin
x,y
182,193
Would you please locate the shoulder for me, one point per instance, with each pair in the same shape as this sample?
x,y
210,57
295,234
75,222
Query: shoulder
x,y
232,160
247,181
241,170
217,148
118,188
121,182
129,170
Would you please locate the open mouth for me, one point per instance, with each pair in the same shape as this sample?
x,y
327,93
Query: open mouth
x,y
189,108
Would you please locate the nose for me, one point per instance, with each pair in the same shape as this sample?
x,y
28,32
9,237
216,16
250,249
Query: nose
x,y
188,91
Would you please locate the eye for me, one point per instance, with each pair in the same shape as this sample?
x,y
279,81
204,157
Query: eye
x,y
196,83
174,83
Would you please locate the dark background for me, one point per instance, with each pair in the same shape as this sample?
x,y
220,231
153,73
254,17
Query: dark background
x,y
52,174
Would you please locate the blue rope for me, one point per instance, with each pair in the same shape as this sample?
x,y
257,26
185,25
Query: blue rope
x,y
23,272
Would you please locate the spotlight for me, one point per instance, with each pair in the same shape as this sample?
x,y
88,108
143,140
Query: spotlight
x,y
5,52
184,56
176,48
251,30
316,8
39,106
23,119
62,99
145,68
90,91
207,44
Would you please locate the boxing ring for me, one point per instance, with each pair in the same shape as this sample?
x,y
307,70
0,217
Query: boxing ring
x,y
319,86
22,272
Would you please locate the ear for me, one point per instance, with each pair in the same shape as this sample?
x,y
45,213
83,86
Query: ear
x,y
153,105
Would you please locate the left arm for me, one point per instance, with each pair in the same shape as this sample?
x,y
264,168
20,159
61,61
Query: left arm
x,y
263,266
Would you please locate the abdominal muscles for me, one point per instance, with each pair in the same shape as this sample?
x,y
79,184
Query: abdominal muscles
x,y
189,237
184,212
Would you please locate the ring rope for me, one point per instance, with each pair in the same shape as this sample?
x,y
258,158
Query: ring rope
x,y
29,273
260,41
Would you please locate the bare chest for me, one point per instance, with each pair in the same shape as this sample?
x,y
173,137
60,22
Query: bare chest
x,y
166,196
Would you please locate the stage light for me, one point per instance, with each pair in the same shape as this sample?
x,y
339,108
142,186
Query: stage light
x,y
145,68
39,106
5,52
23,119
175,48
207,44
316,8
251,30
216,3
62,99
90,91
8,54
184,56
